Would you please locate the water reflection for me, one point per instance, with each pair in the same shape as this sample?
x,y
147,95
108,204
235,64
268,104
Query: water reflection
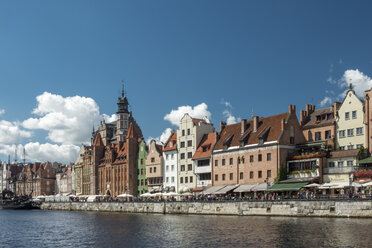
x,y
92,229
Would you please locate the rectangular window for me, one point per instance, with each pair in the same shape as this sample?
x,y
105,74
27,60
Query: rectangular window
x,y
172,167
181,179
191,179
350,132
150,170
340,163
172,179
268,157
167,168
166,157
182,167
182,155
223,177
328,134
231,161
251,158
359,146
341,133
291,140
186,179
251,174
172,156
189,143
350,147
189,155
231,176
183,132
350,163
152,160
188,131
154,169
167,179
318,136
189,167
182,144
268,173
354,114
359,131
259,157
342,148
216,177
241,176
223,161
347,115
215,162
259,174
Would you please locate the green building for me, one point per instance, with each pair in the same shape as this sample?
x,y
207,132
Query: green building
x,y
141,167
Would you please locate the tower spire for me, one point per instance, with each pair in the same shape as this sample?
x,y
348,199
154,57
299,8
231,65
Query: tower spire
x,y
122,88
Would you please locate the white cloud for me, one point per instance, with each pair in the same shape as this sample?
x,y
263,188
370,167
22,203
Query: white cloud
x,y
359,80
2,111
198,111
230,119
68,120
226,103
162,138
10,132
109,119
326,101
43,152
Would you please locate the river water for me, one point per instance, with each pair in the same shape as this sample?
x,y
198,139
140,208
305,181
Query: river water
x,y
37,228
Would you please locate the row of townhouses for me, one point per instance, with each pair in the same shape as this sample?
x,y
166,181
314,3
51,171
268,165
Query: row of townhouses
x,y
327,145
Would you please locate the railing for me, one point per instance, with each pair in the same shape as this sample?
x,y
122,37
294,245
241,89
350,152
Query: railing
x,y
339,170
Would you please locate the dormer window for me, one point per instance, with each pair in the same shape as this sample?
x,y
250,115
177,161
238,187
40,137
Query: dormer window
x,y
171,144
318,118
204,148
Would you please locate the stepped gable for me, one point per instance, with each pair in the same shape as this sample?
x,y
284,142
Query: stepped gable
x,y
204,149
172,140
268,129
98,141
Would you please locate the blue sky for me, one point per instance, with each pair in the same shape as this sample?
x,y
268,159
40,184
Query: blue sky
x,y
260,55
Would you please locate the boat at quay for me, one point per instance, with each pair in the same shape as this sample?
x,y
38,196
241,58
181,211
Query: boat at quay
x,y
10,201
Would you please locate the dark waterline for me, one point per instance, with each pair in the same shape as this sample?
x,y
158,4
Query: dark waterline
x,y
38,228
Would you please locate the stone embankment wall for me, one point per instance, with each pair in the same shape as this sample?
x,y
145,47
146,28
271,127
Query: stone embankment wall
x,y
278,208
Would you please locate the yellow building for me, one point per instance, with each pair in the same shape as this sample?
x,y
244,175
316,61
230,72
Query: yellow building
x,y
349,123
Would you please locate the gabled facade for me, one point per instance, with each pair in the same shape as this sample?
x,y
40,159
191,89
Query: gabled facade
x,y
350,125
170,164
141,168
203,161
154,167
253,151
189,135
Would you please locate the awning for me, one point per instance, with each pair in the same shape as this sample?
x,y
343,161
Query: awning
x,y
287,187
244,188
366,161
213,189
260,187
226,189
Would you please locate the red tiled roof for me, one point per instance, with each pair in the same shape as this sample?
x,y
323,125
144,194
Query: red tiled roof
x,y
159,148
98,141
131,132
172,139
196,121
122,155
269,128
205,147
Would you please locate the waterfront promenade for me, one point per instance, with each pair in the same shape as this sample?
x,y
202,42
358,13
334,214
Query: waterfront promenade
x,y
291,207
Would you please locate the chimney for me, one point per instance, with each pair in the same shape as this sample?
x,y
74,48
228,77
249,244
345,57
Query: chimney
x,y
243,126
302,117
255,123
282,124
335,107
310,108
292,109
222,125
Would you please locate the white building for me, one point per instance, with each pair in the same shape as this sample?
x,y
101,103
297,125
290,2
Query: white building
x,y
189,135
170,164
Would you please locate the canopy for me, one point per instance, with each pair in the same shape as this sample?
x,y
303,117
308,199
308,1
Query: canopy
x,y
313,185
287,187
339,185
244,188
146,195
260,187
170,194
187,194
367,184
366,161
226,189
213,189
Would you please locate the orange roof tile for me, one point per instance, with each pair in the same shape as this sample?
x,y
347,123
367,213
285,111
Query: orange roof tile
x,y
172,140
98,141
204,149
196,121
269,128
